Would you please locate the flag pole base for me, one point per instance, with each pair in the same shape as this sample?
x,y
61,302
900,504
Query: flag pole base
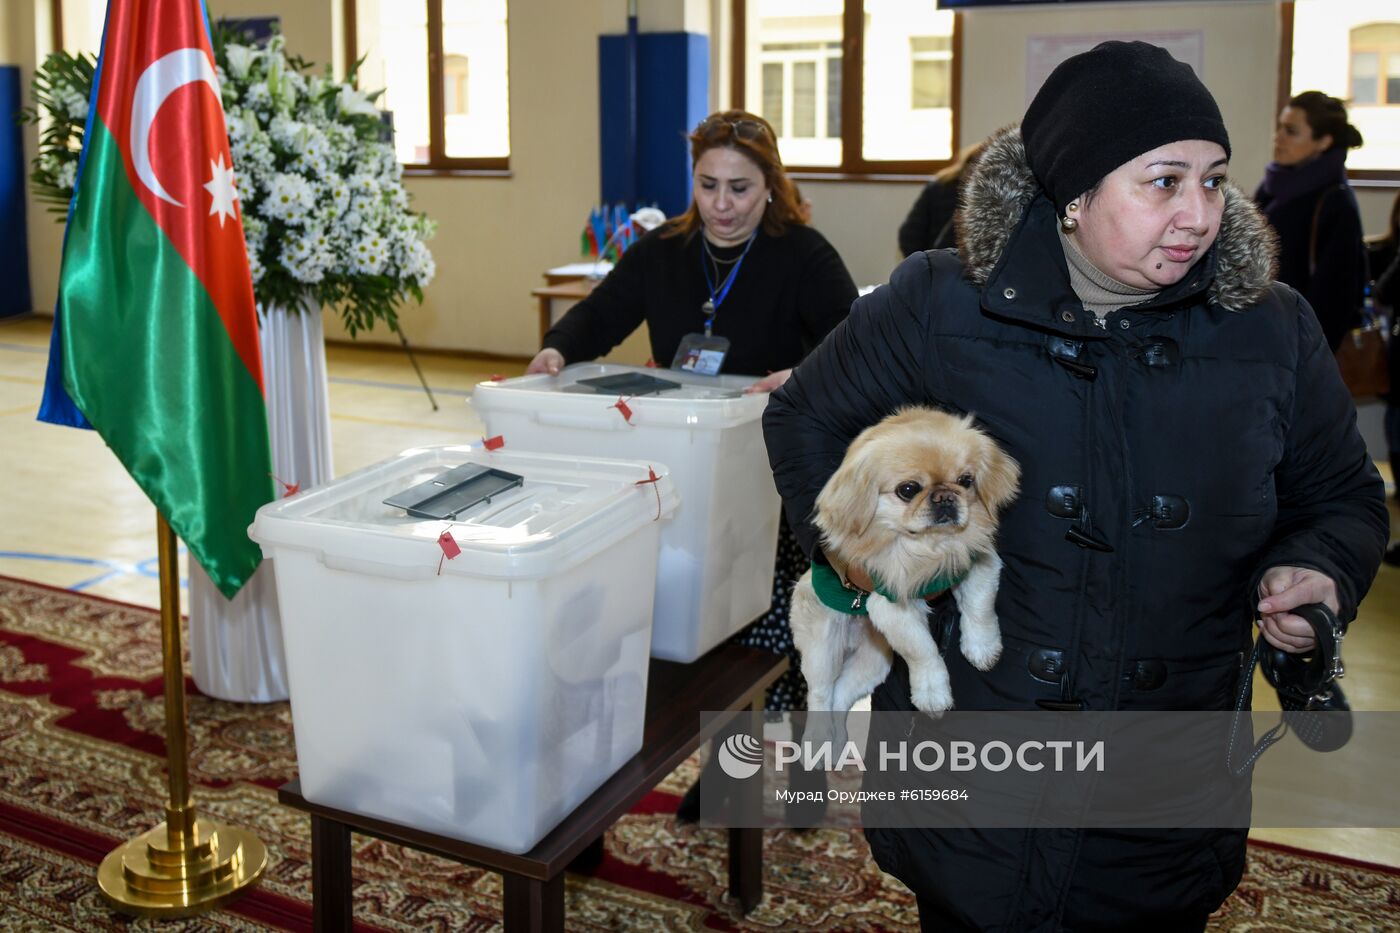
x,y
149,877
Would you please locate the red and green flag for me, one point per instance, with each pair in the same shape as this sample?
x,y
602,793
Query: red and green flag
x,y
155,333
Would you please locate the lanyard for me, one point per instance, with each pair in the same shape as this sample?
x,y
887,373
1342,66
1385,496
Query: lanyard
x,y
711,307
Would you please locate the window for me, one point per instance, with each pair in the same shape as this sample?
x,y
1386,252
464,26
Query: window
x,y
931,64
444,68
798,88
1375,64
861,86
1352,51
454,85
77,24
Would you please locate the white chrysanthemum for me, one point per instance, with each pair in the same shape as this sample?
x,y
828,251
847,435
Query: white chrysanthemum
x,y
337,198
289,199
312,152
368,255
246,184
255,266
258,97
67,175
261,154
307,256
364,188
254,230
233,122
420,265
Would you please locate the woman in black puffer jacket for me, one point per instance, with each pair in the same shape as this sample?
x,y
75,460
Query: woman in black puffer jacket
x,y
1189,457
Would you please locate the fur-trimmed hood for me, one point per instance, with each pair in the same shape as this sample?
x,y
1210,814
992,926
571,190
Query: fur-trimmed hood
x,y
1002,187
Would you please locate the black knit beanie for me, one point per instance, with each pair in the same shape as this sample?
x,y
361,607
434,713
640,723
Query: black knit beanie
x,y
1109,105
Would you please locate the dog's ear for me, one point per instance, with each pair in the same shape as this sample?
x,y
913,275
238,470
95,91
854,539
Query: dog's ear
x,y
847,503
998,477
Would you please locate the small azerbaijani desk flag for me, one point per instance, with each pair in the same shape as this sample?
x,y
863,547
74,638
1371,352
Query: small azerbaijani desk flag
x,y
155,333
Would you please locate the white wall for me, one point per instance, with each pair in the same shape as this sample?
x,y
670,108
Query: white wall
x,y
497,235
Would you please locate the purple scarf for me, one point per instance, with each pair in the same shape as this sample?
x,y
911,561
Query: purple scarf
x,y
1284,183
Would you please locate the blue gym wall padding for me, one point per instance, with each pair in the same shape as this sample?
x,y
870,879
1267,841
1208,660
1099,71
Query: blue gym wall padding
x,y
15,296
673,94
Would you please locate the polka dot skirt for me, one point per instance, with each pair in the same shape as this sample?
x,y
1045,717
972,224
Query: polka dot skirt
x,y
772,633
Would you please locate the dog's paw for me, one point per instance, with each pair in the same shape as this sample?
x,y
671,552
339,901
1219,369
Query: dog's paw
x,y
982,650
932,697
823,726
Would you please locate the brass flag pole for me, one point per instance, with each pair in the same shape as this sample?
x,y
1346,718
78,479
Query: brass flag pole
x,y
186,865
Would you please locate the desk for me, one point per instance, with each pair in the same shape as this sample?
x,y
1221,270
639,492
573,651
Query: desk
x,y
571,291
731,677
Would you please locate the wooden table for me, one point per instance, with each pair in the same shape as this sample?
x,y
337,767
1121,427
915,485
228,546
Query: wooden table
x,y
572,291
730,677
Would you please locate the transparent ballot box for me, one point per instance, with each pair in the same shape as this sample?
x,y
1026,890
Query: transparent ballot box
x,y
716,570
467,634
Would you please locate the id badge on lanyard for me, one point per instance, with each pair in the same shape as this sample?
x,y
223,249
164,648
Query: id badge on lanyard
x,y
705,353
701,353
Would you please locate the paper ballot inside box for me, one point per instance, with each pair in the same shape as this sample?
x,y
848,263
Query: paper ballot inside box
x,y
453,491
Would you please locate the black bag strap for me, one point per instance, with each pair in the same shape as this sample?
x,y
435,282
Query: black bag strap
x,y
1312,237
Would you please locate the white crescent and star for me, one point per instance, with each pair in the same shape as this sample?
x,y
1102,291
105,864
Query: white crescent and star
x,y
163,77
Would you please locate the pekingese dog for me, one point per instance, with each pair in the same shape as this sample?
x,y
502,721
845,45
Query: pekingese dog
x,y
915,500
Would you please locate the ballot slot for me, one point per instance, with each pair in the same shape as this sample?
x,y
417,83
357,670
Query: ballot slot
x,y
454,491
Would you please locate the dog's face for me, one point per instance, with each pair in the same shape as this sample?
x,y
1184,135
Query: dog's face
x,y
919,475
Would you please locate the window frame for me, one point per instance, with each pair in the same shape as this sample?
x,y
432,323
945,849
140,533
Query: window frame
x,y
439,163
853,165
1378,177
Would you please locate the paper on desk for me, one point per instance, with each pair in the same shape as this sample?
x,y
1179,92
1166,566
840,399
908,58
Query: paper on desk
x,y
583,269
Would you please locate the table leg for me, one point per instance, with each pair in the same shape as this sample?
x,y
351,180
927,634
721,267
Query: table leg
x,y
545,322
587,861
746,867
533,906
746,842
330,875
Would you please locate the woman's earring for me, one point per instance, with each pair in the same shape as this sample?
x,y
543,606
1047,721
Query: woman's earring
x,y
770,197
1068,223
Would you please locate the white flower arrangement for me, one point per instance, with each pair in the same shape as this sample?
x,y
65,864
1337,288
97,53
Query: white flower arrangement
x,y
325,213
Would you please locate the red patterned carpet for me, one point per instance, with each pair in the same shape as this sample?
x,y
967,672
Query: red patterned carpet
x,y
82,769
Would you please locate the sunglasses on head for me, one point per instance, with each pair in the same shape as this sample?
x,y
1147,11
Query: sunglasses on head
x,y
711,128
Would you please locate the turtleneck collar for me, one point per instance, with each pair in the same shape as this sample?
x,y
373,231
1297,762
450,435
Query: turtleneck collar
x,y
1098,291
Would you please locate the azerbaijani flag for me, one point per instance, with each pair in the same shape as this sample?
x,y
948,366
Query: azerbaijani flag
x,y
155,333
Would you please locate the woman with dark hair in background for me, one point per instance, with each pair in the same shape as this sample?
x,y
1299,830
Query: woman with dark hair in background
x,y
1307,199
930,221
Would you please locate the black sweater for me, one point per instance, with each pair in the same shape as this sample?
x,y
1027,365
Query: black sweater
x,y
789,293
930,221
